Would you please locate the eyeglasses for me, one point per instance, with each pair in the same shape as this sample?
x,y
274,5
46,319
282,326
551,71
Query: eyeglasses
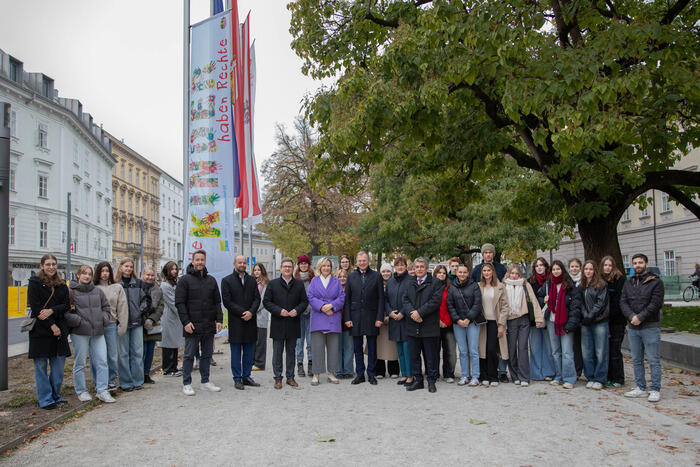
x,y
50,265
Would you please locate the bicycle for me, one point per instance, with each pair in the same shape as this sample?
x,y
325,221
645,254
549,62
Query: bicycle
x,y
690,292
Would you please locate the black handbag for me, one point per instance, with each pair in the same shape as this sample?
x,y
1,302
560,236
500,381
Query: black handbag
x,y
530,307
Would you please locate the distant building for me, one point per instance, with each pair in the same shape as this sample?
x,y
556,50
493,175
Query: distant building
x,y
171,219
55,148
668,233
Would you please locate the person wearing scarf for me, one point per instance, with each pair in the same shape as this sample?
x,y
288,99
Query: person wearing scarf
x,y
518,324
575,266
563,303
541,362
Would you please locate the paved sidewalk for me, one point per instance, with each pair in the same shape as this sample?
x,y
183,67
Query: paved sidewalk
x,y
377,425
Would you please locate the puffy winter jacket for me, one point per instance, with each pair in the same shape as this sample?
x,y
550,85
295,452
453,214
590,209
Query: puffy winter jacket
x,y
138,299
643,296
464,301
198,302
596,305
91,312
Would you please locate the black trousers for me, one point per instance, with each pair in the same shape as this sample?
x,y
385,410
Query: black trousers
x,y
616,366
261,349
381,367
169,360
578,354
430,348
489,365
287,346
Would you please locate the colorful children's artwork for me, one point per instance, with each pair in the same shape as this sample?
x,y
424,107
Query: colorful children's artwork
x,y
198,111
205,200
204,225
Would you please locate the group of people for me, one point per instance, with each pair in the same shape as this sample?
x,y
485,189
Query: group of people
x,y
560,322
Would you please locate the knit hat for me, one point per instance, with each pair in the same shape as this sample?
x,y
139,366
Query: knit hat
x,y
303,259
488,247
385,267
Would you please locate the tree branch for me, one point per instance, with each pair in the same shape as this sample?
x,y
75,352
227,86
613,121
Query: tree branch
x,y
684,199
521,158
674,11
672,177
380,21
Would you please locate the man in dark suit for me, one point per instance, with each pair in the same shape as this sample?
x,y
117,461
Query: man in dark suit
x,y
285,298
241,298
364,315
421,309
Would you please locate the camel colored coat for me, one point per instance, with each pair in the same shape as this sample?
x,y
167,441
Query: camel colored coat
x,y
501,308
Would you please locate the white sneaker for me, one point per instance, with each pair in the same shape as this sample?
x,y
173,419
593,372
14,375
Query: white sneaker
x,y
597,386
654,396
494,384
105,397
187,390
636,392
568,386
474,382
463,380
554,382
84,397
524,384
589,385
449,380
211,387
485,383
516,382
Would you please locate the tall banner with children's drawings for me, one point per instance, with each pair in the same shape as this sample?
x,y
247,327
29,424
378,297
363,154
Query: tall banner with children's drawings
x,y
211,167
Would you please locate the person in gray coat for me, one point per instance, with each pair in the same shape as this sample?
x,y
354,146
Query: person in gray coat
x,y
171,338
89,315
260,357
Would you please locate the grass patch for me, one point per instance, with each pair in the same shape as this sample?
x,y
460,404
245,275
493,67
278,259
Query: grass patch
x,y
20,401
682,318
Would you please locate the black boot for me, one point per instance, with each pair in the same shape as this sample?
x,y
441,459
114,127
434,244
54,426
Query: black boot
x,y
310,372
300,369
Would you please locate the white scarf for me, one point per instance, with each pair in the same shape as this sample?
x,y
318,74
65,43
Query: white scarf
x,y
514,289
576,278
325,281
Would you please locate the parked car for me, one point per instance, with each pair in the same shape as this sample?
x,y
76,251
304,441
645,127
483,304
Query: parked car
x,y
655,269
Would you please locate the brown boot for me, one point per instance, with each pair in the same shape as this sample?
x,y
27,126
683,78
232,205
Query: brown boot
x,y
278,384
292,383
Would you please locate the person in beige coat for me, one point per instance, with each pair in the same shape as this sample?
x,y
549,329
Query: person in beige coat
x,y
492,336
520,297
119,317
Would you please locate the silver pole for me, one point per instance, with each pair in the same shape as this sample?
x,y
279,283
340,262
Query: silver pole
x,y
4,234
185,125
250,245
141,225
241,235
68,236
211,7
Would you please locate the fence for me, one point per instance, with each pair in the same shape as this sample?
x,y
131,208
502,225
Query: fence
x,y
674,285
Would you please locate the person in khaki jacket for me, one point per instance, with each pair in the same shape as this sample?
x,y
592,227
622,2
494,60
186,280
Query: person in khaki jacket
x,y
492,336
119,318
520,297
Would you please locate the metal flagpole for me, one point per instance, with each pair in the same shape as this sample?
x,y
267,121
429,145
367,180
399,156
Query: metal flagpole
x,y
241,232
68,236
185,125
5,110
250,244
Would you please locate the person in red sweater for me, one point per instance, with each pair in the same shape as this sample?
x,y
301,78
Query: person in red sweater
x,y
447,335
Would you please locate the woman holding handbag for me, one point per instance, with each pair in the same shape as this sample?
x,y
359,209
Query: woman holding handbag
x,y
49,300
524,308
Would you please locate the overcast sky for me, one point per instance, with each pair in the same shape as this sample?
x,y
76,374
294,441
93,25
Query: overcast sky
x,y
123,60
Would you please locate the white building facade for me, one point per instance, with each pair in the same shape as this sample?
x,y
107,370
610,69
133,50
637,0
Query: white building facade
x,y
171,211
55,149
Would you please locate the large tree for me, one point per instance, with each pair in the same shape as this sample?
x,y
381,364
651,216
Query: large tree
x,y
599,98
299,216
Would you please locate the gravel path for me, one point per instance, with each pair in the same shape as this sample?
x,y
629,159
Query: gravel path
x,y
377,425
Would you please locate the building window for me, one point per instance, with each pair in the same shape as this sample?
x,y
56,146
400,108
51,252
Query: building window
x,y
644,212
129,235
43,186
665,203
130,174
143,182
11,240
121,201
122,170
43,136
669,263
625,215
86,197
13,124
43,234
12,179
121,233
15,70
46,88
131,199
626,261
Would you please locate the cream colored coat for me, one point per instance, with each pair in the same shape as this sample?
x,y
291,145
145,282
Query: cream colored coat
x,y
501,308
539,316
118,306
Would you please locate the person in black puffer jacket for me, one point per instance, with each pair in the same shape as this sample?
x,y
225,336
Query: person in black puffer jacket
x,y
595,332
617,322
131,343
47,296
198,303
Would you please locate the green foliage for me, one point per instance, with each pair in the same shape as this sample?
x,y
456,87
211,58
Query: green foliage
x,y
682,318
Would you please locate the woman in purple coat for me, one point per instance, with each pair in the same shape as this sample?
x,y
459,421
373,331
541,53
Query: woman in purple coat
x,y
326,298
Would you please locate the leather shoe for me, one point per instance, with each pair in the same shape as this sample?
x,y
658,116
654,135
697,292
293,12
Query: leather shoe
x,y
431,387
372,380
278,384
358,380
239,385
401,382
250,382
415,385
292,383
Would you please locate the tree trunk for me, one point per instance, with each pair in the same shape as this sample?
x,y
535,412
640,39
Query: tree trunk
x,y
599,237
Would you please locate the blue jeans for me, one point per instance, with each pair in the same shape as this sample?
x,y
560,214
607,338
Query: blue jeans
x,y
645,342
304,322
112,352
345,354
96,347
468,344
48,386
541,363
563,355
149,349
404,351
131,358
241,367
594,349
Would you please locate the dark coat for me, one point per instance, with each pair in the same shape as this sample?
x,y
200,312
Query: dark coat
x,y
238,298
282,296
426,299
614,294
573,305
364,302
42,342
595,305
644,297
198,302
138,299
500,268
156,311
393,298
91,312
464,301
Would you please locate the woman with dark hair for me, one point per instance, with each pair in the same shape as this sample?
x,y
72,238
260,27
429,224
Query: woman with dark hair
x,y
48,298
447,334
393,296
617,323
263,317
118,316
541,362
344,264
575,266
595,333
464,305
563,314
172,335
